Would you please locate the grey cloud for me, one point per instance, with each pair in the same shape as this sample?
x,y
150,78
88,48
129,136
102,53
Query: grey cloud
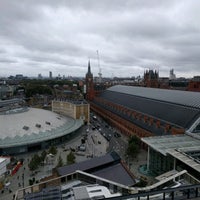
x,y
130,35
7,60
2,51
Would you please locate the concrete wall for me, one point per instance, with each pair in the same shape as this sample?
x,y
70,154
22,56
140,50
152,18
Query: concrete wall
x,y
3,164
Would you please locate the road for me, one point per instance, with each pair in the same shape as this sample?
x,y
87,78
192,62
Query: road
x,y
117,141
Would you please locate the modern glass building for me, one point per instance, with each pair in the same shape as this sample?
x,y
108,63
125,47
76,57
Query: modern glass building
x,y
176,152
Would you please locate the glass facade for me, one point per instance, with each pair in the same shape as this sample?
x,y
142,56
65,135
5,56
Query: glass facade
x,y
159,163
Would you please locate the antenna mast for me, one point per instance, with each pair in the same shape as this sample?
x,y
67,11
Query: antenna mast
x,y
100,74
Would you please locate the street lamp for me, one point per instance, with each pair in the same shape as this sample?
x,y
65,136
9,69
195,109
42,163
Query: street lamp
x,y
23,180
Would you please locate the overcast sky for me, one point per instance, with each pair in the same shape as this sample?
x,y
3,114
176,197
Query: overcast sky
x,y
130,36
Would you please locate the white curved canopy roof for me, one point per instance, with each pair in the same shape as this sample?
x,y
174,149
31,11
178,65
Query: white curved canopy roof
x,y
34,125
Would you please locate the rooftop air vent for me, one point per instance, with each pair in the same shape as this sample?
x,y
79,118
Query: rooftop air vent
x,y
26,128
38,125
48,123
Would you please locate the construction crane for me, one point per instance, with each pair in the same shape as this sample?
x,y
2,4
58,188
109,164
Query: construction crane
x,y
100,74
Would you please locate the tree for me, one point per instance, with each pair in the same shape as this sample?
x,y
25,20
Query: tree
x,y
34,162
31,181
133,146
71,158
43,155
53,150
38,89
60,162
132,150
134,139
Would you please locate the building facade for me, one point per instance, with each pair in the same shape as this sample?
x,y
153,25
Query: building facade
x,y
4,161
151,79
194,84
73,109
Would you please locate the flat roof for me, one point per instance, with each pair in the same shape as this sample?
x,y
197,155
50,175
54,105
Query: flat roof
x,y
75,102
2,159
185,159
80,193
165,143
10,101
177,146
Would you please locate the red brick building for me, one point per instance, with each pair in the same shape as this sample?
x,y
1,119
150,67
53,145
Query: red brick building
x,y
194,84
151,79
146,111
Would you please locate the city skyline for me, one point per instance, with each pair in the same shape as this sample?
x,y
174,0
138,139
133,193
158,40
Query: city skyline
x,y
130,36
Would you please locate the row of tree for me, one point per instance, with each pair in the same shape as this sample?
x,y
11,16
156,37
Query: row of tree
x,y
37,160
44,87
70,159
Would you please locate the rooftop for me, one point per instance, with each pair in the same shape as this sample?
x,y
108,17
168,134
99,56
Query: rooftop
x,y
89,164
105,167
73,101
164,143
2,159
10,101
178,108
110,173
184,98
34,125
183,147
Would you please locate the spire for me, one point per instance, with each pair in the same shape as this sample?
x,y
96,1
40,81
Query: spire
x,y
89,70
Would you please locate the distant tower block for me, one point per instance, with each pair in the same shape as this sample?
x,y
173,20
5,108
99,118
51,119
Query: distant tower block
x,y
100,75
50,75
172,76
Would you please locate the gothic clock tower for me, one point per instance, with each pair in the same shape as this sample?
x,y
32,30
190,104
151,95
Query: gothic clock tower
x,y
89,84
